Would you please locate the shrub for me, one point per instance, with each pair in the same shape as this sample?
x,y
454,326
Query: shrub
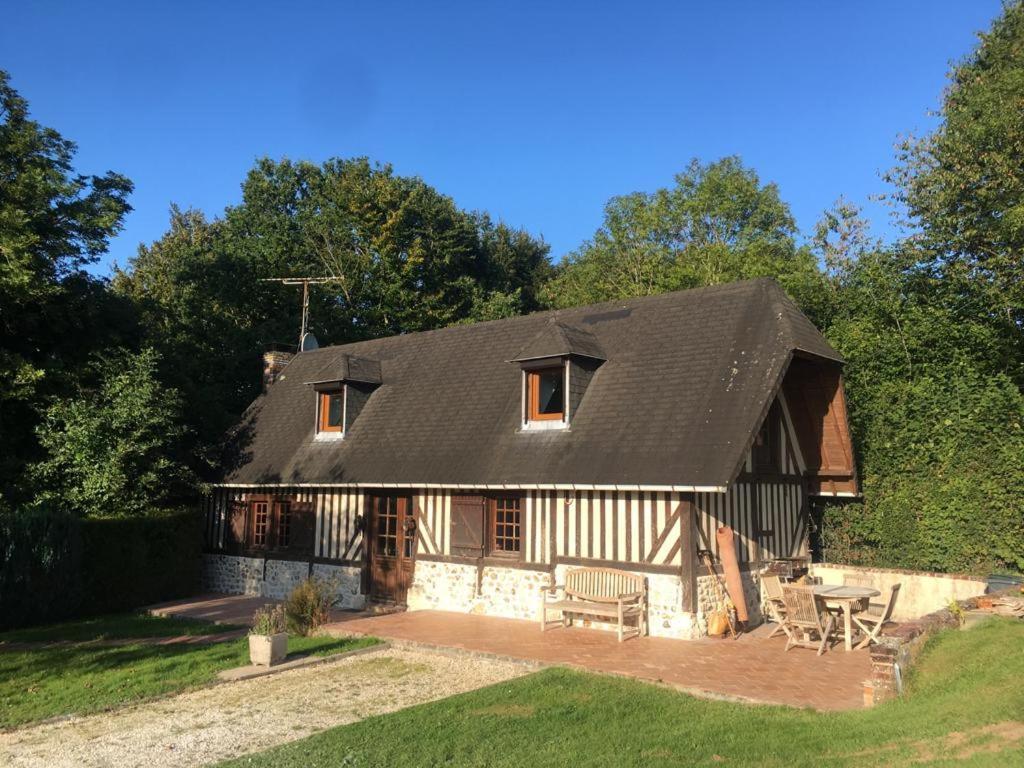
x,y
56,566
268,620
309,605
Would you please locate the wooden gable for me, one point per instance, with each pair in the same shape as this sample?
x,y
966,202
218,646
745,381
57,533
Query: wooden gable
x,y
817,406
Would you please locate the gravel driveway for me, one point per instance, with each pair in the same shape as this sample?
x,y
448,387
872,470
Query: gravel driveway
x,y
231,719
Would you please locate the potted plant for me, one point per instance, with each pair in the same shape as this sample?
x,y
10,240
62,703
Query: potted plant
x,y
268,641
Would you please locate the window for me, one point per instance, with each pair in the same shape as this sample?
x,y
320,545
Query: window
x,y
260,523
505,526
545,390
332,411
284,524
387,527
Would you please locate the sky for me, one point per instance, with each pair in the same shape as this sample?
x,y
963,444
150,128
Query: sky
x,y
535,112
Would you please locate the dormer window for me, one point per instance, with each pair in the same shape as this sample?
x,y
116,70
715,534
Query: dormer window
x,y
545,389
557,355
341,398
332,411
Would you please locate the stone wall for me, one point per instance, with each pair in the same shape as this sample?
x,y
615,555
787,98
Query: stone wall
x,y
275,579
921,593
515,593
707,598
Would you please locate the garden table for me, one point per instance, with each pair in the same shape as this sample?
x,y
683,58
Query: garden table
x,y
845,597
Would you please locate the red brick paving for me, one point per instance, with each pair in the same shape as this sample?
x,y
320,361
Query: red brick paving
x,y
215,607
752,668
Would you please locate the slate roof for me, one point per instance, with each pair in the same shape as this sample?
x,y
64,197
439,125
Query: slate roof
x,y
556,339
687,379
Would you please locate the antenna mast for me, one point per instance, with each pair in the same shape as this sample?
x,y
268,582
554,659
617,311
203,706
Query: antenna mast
x,y
305,282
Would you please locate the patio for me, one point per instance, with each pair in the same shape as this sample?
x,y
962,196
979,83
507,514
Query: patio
x,y
753,668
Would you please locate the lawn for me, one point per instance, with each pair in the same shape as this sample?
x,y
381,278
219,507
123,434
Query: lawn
x,y
966,703
78,679
124,625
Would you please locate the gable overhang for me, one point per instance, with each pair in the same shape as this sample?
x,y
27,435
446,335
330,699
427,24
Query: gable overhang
x,y
820,483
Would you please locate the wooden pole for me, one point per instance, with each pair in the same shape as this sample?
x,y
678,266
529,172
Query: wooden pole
x,y
688,553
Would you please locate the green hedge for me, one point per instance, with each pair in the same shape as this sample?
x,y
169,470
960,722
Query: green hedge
x,y
56,566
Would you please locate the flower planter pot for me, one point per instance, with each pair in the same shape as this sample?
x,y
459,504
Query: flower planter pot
x,y
267,650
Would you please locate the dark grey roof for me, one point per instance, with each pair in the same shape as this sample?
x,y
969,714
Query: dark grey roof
x,y
347,367
556,339
687,379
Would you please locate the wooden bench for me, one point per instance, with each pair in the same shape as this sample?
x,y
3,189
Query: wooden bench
x,y
606,593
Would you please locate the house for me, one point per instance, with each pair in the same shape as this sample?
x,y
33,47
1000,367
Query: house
x,y
461,469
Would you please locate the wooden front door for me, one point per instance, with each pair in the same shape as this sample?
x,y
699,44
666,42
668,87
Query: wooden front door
x,y
392,547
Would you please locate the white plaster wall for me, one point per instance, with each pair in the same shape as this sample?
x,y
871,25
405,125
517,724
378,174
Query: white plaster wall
x,y
920,592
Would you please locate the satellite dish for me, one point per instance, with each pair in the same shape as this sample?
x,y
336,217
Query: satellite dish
x,y
309,343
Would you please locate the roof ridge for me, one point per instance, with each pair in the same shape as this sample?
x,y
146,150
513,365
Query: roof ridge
x,y
557,313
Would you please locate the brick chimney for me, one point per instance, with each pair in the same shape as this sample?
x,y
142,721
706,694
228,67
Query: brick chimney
x,y
275,358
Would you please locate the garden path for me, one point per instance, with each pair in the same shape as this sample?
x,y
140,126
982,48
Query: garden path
x,y
231,719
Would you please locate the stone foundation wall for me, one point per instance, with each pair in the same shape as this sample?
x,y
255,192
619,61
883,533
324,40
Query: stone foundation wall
x,y
275,579
707,600
514,593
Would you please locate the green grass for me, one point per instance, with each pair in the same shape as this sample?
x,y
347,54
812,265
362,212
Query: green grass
x,y
79,679
964,682
120,626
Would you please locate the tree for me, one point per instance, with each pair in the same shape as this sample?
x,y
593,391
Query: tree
x,y
717,224
116,450
53,223
964,184
404,258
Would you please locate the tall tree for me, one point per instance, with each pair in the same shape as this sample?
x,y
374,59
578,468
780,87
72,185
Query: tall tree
x,y
116,449
964,183
719,223
53,223
404,258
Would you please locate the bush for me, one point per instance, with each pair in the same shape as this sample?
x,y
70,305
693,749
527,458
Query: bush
x,y
56,566
309,605
268,620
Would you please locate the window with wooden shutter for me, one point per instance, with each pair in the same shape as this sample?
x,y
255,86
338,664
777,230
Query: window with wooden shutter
x,y
468,525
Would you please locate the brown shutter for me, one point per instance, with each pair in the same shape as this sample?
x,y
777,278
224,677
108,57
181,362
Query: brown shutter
x,y
468,525
303,528
234,533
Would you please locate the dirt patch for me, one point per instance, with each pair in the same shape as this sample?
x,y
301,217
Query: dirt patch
x,y
233,719
957,745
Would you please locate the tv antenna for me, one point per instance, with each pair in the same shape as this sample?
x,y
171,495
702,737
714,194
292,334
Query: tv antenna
x,y
305,282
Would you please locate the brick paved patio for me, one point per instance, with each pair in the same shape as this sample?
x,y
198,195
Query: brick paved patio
x,y
752,668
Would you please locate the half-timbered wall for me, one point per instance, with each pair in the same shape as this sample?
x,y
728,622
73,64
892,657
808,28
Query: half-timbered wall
x,y
560,525
338,535
768,518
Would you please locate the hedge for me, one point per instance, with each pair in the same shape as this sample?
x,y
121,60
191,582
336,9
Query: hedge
x,y
56,566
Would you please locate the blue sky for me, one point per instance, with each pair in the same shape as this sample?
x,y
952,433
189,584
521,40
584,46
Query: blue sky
x,y
537,113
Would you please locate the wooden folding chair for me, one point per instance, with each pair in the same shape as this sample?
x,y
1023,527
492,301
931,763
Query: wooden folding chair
x,y
871,622
806,616
858,580
772,586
